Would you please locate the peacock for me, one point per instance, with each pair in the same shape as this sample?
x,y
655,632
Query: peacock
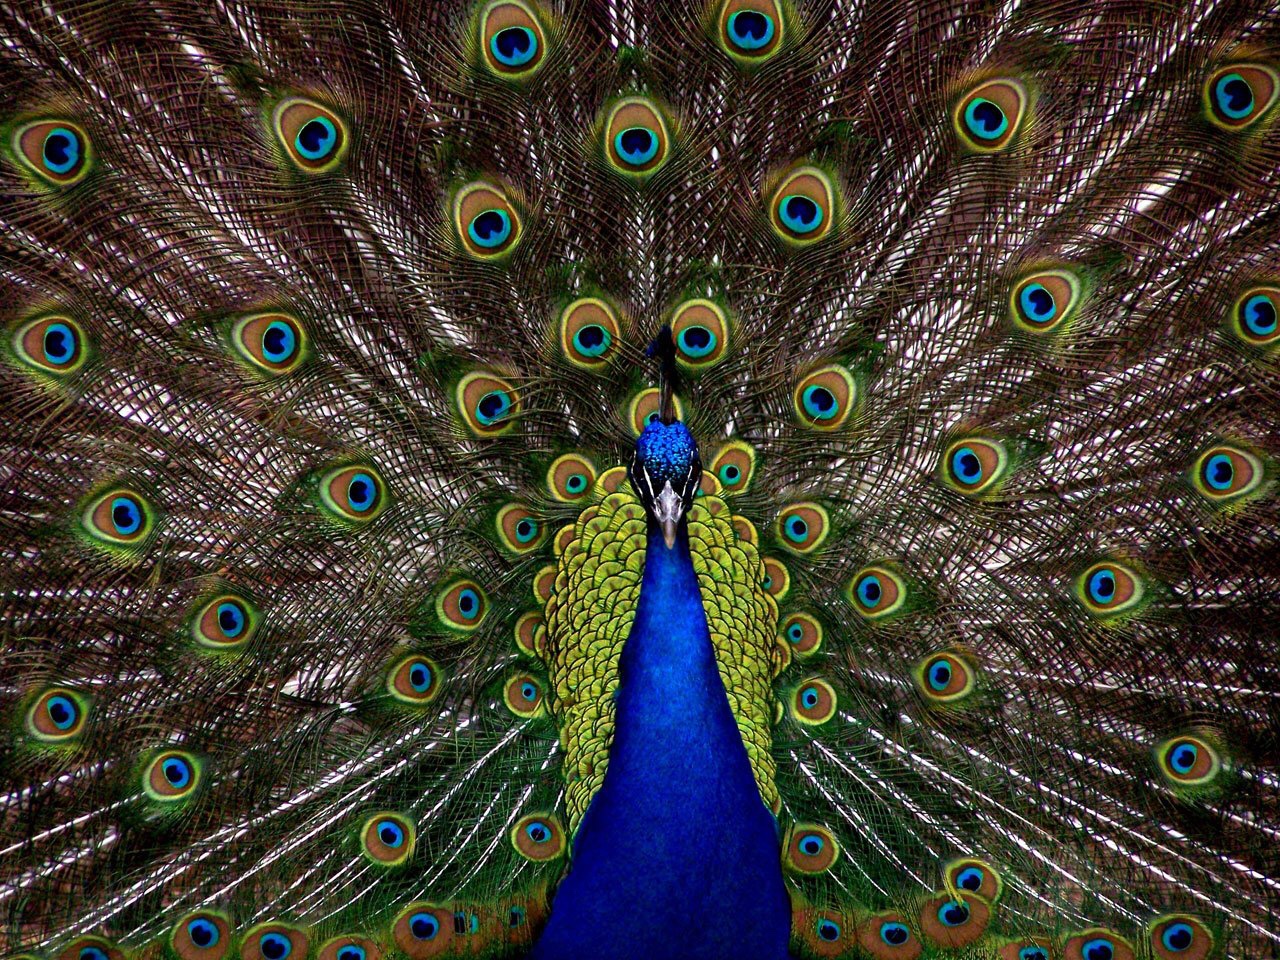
x,y
557,479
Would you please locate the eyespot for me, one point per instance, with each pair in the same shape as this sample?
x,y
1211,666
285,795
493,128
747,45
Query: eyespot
x,y
1188,760
1225,473
1254,316
58,151
513,43
227,622
538,837
887,937
1238,95
777,579
570,478
53,345
954,922
988,117
802,208
58,715
171,775
751,31
975,876
828,929
802,527
824,399
523,696
462,605
519,530
423,930
121,517
414,680
487,403
544,583
944,678
530,634
1026,949
90,948
274,343
733,465
877,592
813,702
701,332
637,137
388,838
1097,944
1180,937
1043,302
201,936
273,941
589,333
802,633
1109,588
314,139
354,494
973,465
487,222
644,409
811,849
349,948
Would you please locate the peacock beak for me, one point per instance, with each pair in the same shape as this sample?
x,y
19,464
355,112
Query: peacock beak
x,y
668,508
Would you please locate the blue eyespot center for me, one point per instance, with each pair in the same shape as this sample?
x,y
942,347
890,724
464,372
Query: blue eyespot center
x,y
970,878
490,228
809,697
811,846
795,633
424,926
730,473
351,952
126,515
62,711
316,139
696,341
231,618
1183,757
940,675
1037,303
796,529
390,833
819,402
492,407
1234,96
529,691
60,150
1099,948
59,344
526,530
1177,937
966,466
1032,953
828,930
177,771
516,917
420,677
1219,472
576,483
514,46
869,591
1102,586
749,30
537,831
984,119
275,946
800,214
1259,315
92,953
592,340
468,603
203,933
953,914
362,492
636,145
894,934
278,342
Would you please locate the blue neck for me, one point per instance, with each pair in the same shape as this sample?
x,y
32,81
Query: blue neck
x,y
677,856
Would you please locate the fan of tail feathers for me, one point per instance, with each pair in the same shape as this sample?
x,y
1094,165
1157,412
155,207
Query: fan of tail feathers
x,y
324,352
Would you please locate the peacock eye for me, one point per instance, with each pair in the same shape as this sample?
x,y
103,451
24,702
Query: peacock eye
x,y
314,138
777,578
975,876
974,465
538,837
351,951
894,934
1109,588
57,716
170,776
387,838
1239,95
1043,302
522,694
637,138
354,494
512,40
953,914
570,477
272,343
1174,936
824,399
1032,953
57,151
944,678
803,633
644,409
1188,761
519,531
203,933
803,527
225,622
813,702
488,404
275,946
811,849
828,930
462,605
424,926
588,331
969,879
701,331
51,345
989,116
119,518
1099,948
1225,473
877,592
750,31
414,680
1254,316
486,221
201,936
801,210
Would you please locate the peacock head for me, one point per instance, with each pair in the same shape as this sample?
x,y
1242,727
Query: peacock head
x,y
665,472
